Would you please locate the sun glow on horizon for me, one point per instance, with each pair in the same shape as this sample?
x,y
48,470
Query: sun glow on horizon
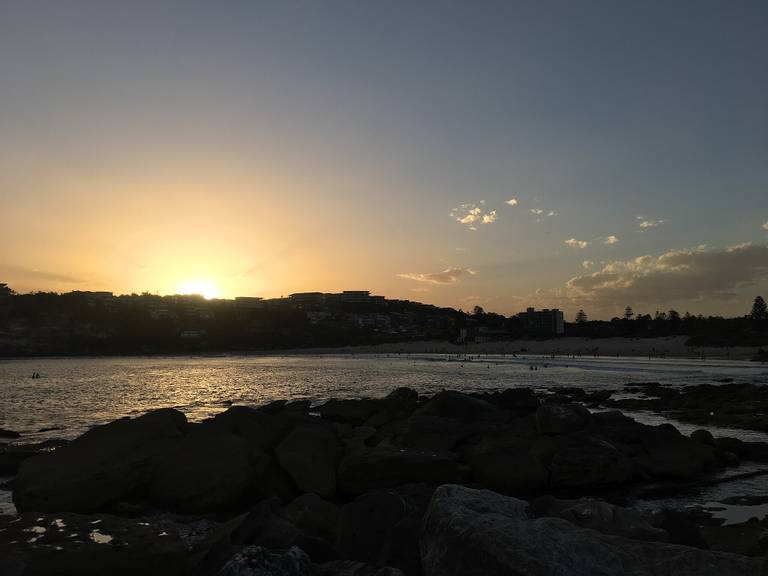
x,y
205,288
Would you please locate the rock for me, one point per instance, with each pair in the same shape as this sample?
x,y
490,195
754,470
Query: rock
x,y
561,418
11,434
669,454
474,532
382,528
258,427
353,568
587,461
510,469
309,455
12,456
601,516
259,561
703,437
367,469
755,451
67,544
103,465
208,472
401,401
313,515
354,412
450,404
519,400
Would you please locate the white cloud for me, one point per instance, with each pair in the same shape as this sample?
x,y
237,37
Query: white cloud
x,y
611,239
573,243
587,264
469,214
675,275
537,211
765,226
447,276
551,213
512,202
650,223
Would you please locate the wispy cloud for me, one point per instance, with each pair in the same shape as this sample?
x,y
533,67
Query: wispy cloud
x,y
471,214
447,276
511,202
573,243
587,264
537,211
611,239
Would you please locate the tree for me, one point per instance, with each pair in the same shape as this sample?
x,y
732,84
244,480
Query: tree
x,y
759,310
478,311
628,313
581,317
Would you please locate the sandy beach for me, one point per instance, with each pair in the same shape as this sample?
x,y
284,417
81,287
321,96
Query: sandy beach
x,y
671,347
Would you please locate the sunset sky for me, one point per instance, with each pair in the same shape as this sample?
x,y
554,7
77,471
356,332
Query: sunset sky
x,y
585,154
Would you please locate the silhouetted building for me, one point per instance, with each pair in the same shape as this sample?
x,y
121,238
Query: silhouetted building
x,y
308,298
249,303
544,321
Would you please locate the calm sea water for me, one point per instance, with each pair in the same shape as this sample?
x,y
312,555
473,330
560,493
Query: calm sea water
x,y
76,393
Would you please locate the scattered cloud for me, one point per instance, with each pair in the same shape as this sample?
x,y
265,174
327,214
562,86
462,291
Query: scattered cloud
x,y
573,243
688,275
587,264
447,276
644,224
537,211
551,213
471,214
611,239
512,202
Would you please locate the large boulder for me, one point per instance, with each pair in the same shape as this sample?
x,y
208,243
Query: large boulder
x,y
561,418
508,468
208,472
353,411
669,454
601,516
103,465
366,469
313,515
258,427
259,561
583,460
477,532
450,404
382,527
309,455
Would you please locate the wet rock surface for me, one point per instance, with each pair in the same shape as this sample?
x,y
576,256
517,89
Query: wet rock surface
x,y
348,488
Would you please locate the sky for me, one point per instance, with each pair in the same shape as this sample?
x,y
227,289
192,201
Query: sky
x,y
588,154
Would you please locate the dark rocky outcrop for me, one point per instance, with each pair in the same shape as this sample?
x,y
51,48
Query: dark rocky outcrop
x,y
206,472
105,464
260,561
472,532
309,455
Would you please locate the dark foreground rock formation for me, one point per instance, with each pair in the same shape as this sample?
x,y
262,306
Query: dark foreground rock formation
x,y
476,532
349,489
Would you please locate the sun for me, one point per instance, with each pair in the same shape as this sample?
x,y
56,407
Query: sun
x,y
204,288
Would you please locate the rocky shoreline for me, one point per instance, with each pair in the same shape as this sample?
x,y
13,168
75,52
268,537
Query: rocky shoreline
x,y
510,482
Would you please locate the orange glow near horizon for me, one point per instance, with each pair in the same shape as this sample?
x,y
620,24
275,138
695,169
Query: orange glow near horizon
x,y
205,288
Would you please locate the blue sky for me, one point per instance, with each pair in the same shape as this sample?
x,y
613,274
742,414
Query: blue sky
x,y
274,147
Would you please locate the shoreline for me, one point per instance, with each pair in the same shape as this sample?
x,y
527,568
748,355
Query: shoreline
x,y
658,347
